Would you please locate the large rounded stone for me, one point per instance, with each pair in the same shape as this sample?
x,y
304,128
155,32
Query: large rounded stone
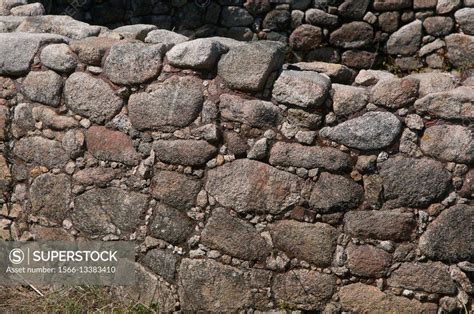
x,y
465,19
456,104
368,261
170,224
58,57
373,130
448,143
407,40
175,189
201,54
50,196
41,151
133,63
170,105
44,87
395,92
347,100
91,97
352,35
413,182
184,152
306,37
460,49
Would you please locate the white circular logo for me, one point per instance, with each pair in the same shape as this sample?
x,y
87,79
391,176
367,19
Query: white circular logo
x,y
16,256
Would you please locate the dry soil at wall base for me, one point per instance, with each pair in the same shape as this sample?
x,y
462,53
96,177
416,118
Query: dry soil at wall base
x,y
246,183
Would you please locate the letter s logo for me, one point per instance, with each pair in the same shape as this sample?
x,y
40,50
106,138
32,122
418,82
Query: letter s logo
x,y
16,256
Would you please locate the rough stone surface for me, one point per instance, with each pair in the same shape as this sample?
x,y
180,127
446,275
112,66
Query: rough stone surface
x,y
50,196
382,225
91,50
413,182
133,63
460,50
301,88
445,238
254,187
106,144
304,289
175,189
373,130
170,224
367,260
91,97
388,5
454,104
297,155
395,93
353,9
206,285
184,152
306,37
58,24
446,6
44,87
171,105
406,40
338,73
255,113
448,143
40,151
165,37
438,25
432,277
196,54
97,211
347,100
58,57
162,262
314,243
247,67
243,242
465,19
352,35
361,298
433,83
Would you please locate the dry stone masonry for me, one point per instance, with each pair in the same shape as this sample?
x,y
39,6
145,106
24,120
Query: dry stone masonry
x,y
248,183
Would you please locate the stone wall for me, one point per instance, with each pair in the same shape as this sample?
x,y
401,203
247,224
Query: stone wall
x,y
399,35
246,183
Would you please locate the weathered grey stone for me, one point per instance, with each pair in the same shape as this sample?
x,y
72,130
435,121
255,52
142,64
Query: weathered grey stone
x,y
170,224
338,73
347,100
320,17
306,37
467,189
373,130
297,155
50,196
335,193
202,54
91,50
448,143
4,112
165,37
407,40
433,82
454,104
10,4
390,5
184,152
277,20
424,4
44,87
252,186
206,285
361,298
446,6
247,67
58,57
96,210
136,31
395,92
107,144
438,25
73,143
41,151
388,21
432,277
352,35
465,19
5,175
367,260
133,63
314,243
448,237
460,49
395,225
18,49
58,24
301,88
23,120
175,189
256,113
304,119
244,242
95,176
171,105
413,182
51,119
228,42
371,77
235,16
409,144
161,262
91,97
431,47
353,9
32,9
304,289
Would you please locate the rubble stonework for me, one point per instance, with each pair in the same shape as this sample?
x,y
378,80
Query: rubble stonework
x,y
245,183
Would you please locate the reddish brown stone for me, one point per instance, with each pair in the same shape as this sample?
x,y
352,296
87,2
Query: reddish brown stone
x,y
306,37
368,261
106,144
